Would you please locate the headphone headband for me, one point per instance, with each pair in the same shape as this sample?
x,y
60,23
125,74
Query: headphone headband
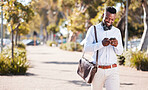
x,y
106,27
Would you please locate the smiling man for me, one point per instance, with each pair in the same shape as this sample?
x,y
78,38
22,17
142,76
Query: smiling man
x,y
109,45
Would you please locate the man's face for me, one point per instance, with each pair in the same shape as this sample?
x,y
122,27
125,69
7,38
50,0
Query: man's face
x,y
109,18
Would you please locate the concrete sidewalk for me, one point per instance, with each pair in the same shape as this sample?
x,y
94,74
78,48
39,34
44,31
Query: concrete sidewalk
x,y
55,69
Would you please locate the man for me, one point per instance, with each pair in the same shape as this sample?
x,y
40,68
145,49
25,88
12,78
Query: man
x,y
109,45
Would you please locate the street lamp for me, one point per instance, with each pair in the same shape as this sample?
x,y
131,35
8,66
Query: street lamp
x,y
1,25
126,27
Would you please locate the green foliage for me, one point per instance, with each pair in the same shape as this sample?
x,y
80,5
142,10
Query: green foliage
x,y
15,12
79,47
71,46
21,46
121,60
34,23
127,55
95,7
18,65
67,3
5,64
63,46
40,19
52,28
144,64
62,23
135,22
51,43
135,30
23,29
76,21
99,16
80,12
137,59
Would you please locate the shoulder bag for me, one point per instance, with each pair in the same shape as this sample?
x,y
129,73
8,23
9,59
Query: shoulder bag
x,y
87,69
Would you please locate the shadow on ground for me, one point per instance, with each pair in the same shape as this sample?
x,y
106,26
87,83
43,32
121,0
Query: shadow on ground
x,y
82,83
54,62
78,82
27,74
41,53
126,83
136,76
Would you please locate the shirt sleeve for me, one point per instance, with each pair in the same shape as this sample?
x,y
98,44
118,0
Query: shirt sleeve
x,y
90,42
119,48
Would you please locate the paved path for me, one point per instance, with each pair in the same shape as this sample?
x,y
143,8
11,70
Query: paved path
x,y
55,69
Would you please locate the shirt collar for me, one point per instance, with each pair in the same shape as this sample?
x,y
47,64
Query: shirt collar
x,y
105,28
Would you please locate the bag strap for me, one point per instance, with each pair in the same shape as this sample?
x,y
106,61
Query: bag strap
x,y
97,50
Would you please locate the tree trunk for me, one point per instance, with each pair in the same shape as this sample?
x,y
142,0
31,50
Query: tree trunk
x,y
12,42
144,40
16,37
121,22
41,32
19,37
73,37
12,31
121,27
46,38
70,36
16,29
52,35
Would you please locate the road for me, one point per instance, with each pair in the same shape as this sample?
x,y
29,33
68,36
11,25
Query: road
x,y
55,69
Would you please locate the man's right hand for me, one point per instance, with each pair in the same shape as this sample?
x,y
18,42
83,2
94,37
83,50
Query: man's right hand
x,y
105,42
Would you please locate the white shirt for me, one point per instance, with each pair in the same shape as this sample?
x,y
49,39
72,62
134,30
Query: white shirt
x,y
107,54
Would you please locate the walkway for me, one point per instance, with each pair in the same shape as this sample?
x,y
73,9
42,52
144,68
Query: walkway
x,y
55,69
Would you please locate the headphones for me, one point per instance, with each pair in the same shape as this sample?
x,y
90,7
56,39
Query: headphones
x,y
106,27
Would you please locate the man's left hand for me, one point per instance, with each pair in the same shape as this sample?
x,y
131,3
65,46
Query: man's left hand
x,y
114,42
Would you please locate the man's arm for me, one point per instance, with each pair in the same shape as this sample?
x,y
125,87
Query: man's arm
x,y
90,45
119,48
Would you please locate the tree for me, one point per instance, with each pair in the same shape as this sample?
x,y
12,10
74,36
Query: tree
x,y
40,8
52,29
15,13
144,40
34,23
23,29
76,24
135,22
48,13
78,13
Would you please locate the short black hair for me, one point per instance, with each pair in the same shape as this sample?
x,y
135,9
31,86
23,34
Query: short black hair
x,y
111,9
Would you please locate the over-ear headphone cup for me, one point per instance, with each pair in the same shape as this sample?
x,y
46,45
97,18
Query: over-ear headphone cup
x,y
105,27
110,27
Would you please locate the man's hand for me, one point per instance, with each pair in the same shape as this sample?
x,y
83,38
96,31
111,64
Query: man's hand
x,y
105,42
113,42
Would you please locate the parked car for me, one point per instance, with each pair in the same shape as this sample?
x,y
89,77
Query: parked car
x,y
5,42
59,41
30,42
134,44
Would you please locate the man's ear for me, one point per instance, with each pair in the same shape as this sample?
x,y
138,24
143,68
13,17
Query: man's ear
x,y
102,15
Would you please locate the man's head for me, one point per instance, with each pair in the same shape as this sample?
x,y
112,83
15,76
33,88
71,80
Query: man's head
x,y
109,16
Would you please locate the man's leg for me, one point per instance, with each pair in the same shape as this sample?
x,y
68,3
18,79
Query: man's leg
x,y
98,81
112,81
